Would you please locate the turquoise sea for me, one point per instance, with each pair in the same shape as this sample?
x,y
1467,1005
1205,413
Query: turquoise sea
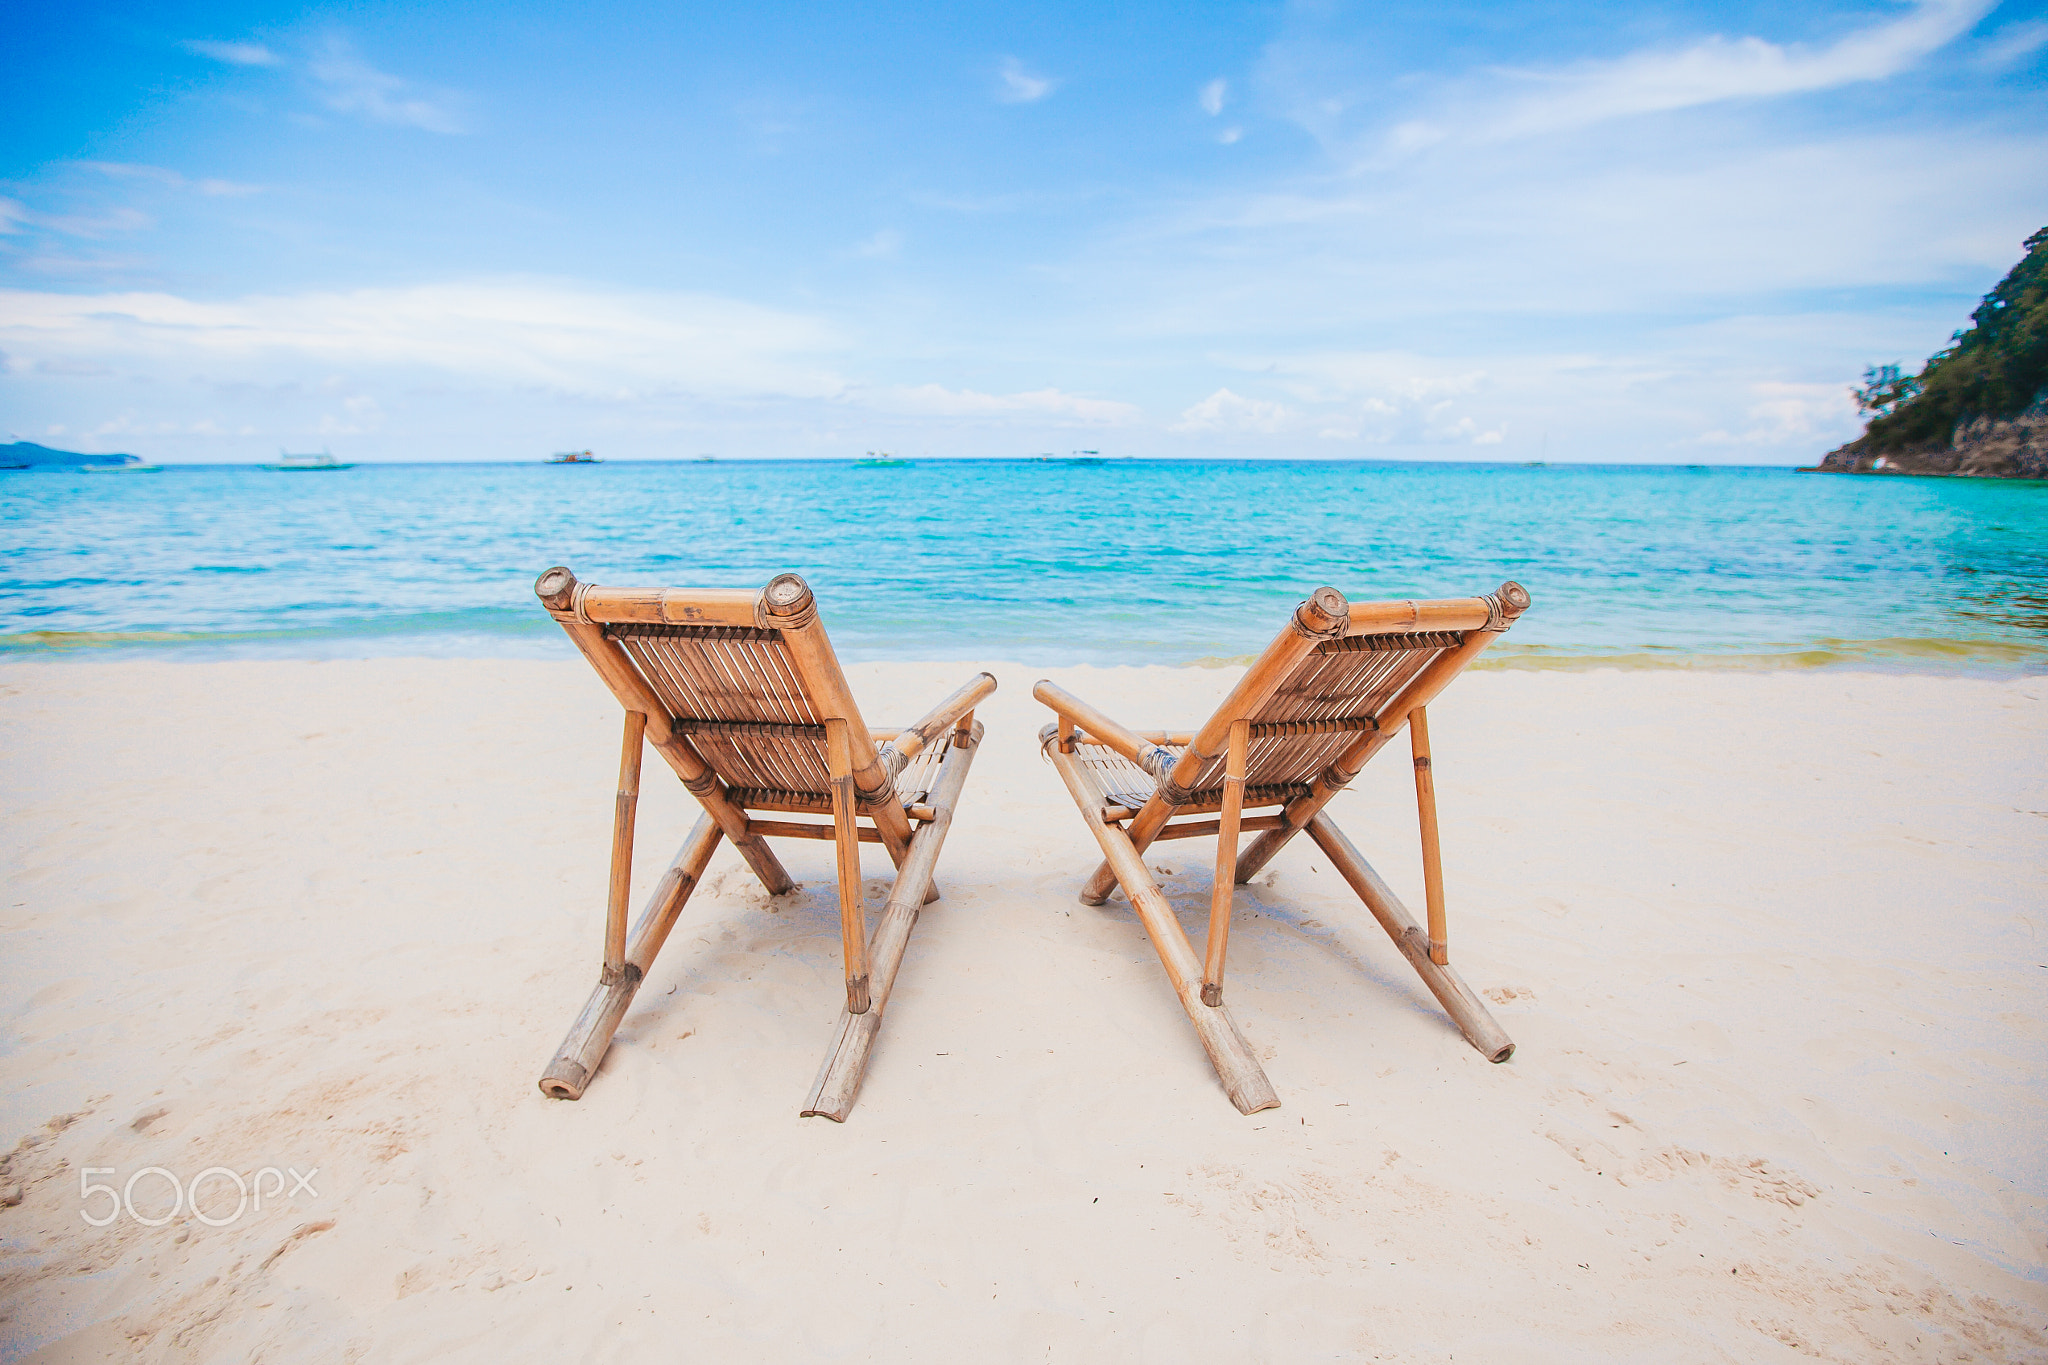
x,y
1170,562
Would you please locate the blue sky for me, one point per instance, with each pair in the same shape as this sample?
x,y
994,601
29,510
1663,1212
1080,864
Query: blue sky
x,y
1435,231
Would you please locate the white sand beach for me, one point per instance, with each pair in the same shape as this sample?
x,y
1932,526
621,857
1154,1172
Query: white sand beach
x,y
1773,946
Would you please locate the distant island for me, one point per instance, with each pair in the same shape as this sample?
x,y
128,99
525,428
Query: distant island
x,y
1978,408
29,455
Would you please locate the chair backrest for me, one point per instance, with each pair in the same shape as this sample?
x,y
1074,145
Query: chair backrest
x,y
734,690
748,677
1321,707
1358,677
1317,702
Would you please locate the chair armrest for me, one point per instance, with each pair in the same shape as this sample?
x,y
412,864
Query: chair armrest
x,y
1147,755
908,744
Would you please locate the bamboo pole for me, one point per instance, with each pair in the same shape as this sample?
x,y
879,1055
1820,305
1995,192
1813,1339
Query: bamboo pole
x,y
557,590
1413,618
846,1059
1265,729
1226,863
576,1061
1195,829
793,829
1324,615
853,929
671,606
1244,1080
1074,712
1465,1008
792,609
622,847
1509,602
903,746
954,713
1432,854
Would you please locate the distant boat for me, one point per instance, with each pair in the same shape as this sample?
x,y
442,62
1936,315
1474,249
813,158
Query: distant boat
x,y
288,463
882,459
574,457
130,465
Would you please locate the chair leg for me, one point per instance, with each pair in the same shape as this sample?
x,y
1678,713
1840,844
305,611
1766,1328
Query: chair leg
x,y
853,929
1432,853
1220,893
853,1038
1244,1080
1471,1016
899,849
576,1061
622,847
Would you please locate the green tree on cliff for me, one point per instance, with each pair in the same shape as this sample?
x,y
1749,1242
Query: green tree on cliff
x,y
1996,368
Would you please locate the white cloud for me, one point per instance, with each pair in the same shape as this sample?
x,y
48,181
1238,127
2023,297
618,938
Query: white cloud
x,y
1021,86
168,178
935,400
91,226
1224,411
1374,398
352,86
1618,229
2014,43
234,54
1229,135
887,242
555,337
1212,96
1527,103
1379,376
1790,414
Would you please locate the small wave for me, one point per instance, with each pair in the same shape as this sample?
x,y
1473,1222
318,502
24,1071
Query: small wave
x,y
482,633
1902,654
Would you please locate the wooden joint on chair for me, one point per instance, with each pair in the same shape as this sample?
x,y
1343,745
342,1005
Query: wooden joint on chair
x,y
1504,605
1323,616
787,603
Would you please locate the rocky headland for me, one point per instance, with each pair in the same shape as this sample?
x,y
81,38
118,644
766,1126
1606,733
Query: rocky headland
x,y
1979,407
1982,447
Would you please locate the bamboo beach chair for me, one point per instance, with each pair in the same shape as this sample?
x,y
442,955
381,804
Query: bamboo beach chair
x,y
740,692
1333,689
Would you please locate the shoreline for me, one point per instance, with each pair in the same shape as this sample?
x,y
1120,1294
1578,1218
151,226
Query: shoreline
x,y
1937,657
1767,943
